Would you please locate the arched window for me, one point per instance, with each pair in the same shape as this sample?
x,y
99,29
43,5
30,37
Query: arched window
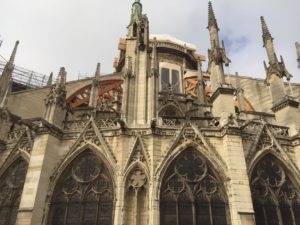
x,y
191,193
170,77
134,30
84,194
136,198
11,187
275,199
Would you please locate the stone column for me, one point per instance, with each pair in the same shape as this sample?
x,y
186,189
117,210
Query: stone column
x,y
119,206
44,156
239,198
154,203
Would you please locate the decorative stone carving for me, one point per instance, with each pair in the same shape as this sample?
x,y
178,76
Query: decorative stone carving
x,y
228,119
106,123
75,125
137,178
138,153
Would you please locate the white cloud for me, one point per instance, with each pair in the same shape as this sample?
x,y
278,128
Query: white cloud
x,y
78,34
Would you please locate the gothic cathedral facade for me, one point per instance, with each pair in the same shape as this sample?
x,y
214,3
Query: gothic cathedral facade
x,y
158,142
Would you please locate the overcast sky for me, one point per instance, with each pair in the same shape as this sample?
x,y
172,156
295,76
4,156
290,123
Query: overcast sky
x,y
77,34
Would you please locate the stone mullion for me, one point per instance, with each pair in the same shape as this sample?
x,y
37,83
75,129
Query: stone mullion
x,y
278,214
194,212
66,212
210,213
177,212
11,205
135,213
265,214
98,212
292,214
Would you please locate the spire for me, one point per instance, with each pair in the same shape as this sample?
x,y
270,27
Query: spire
x,y
212,22
200,86
49,82
266,35
55,101
137,8
154,62
6,78
95,87
62,77
217,54
97,73
13,54
298,53
268,42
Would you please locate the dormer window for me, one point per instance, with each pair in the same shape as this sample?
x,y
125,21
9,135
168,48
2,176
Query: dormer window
x,y
170,77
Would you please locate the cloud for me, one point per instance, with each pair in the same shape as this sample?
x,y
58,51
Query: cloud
x,y
77,34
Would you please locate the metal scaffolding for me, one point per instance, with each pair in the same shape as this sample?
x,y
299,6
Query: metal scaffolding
x,y
25,78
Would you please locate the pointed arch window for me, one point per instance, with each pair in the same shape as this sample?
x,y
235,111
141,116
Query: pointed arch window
x,y
136,197
275,198
11,187
191,193
83,194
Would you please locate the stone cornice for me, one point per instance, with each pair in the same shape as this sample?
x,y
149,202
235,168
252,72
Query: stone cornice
x,y
288,101
221,90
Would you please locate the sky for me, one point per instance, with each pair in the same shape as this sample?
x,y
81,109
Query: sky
x,y
78,34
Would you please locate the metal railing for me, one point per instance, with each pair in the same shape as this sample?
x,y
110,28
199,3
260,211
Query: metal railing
x,y
26,77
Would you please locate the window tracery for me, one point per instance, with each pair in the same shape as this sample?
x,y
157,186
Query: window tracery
x,y
11,187
191,194
84,194
136,198
275,198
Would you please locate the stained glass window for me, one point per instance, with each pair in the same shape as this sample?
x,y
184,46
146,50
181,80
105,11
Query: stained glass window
x,y
11,187
191,193
275,199
84,194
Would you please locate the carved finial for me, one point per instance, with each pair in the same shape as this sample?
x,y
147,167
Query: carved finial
x,y
13,54
49,82
298,53
266,35
62,76
201,86
212,22
97,73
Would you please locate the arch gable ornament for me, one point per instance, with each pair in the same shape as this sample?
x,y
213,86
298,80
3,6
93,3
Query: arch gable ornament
x,y
93,136
190,135
162,167
171,105
22,148
288,164
260,149
138,153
